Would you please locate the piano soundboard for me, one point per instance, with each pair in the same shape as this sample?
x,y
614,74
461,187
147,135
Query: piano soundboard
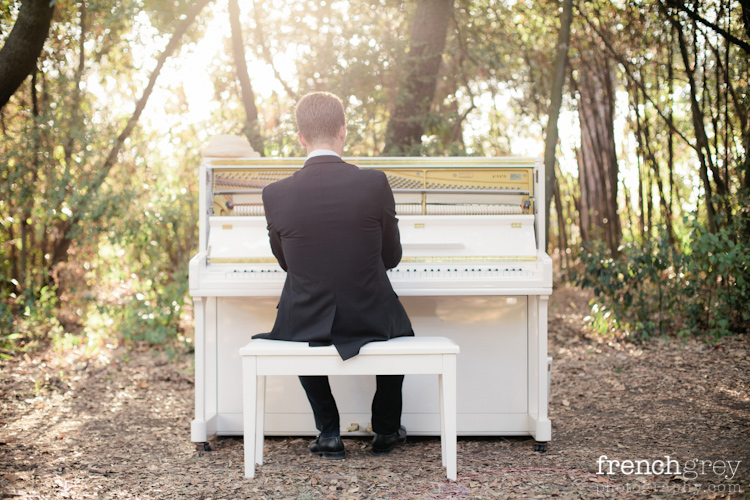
x,y
473,269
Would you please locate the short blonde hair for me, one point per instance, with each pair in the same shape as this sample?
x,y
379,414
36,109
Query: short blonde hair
x,y
320,116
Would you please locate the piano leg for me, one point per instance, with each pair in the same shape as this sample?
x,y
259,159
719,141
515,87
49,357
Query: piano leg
x,y
204,424
540,426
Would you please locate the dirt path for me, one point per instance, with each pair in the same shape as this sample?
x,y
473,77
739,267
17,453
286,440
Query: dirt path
x,y
117,426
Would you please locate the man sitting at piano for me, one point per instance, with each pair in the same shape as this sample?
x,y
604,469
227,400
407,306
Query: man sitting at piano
x,y
333,229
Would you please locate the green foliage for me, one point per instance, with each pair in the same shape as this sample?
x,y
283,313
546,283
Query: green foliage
x,y
148,245
655,288
152,317
27,319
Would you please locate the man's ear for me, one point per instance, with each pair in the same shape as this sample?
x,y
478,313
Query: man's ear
x,y
301,139
342,133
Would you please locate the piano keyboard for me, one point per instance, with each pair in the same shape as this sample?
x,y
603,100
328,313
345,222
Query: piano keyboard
x,y
445,274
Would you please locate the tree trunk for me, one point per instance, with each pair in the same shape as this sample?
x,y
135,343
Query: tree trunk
x,y
670,123
703,147
562,235
643,135
427,40
251,129
597,158
23,45
75,106
550,139
641,209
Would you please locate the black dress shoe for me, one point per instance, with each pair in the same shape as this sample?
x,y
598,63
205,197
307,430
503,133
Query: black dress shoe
x,y
330,448
383,444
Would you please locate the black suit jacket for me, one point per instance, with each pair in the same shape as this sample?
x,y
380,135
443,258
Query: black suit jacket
x,y
333,229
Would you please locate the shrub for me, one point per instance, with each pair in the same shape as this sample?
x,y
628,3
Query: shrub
x,y
702,287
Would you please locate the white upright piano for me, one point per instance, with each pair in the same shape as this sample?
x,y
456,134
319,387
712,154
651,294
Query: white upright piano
x,y
473,269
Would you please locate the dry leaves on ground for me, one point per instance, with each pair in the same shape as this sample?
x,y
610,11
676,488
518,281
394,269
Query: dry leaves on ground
x,y
117,427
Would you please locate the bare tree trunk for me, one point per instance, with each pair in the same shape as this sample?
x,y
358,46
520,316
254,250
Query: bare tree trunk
x,y
641,208
649,203
670,123
251,129
23,45
551,136
427,40
629,212
597,158
562,237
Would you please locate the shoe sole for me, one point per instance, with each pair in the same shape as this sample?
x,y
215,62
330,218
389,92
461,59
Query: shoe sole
x,y
331,455
387,451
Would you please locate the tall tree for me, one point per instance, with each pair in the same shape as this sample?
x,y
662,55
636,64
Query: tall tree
x,y
429,28
551,133
23,45
251,129
597,157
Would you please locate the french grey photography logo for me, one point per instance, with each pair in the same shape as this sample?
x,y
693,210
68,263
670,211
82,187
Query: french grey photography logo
x,y
689,469
714,474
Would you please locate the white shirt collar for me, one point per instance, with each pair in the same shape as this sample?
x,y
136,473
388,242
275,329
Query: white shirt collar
x,y
322,152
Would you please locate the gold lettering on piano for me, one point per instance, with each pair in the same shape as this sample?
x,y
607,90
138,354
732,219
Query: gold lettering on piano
x,y
419,225
516,225
226,226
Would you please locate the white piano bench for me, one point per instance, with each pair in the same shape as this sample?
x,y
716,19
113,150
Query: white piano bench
x,y
398,356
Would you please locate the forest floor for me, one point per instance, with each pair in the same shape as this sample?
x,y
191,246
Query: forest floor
x,y
116,426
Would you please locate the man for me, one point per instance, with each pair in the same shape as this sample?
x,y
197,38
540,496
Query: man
x,y
333,229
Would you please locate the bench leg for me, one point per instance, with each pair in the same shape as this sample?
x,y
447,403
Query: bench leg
x,y
259,420
249,409
448,390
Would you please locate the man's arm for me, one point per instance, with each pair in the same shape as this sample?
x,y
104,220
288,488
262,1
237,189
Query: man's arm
x,y
391,251
274,237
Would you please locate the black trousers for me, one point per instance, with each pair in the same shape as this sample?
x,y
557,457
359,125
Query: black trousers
x,y
386,405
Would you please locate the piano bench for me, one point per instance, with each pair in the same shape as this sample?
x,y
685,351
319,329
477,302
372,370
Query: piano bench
x,y
398,356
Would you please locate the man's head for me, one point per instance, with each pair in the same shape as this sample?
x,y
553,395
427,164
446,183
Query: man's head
x,y
321,120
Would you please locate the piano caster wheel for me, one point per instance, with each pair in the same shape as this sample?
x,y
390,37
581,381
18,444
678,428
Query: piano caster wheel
x,y
541,447
199,447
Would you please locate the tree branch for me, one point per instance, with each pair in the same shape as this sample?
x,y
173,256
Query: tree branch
x,y
620,59
111,159
23,45
695,17
265,52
